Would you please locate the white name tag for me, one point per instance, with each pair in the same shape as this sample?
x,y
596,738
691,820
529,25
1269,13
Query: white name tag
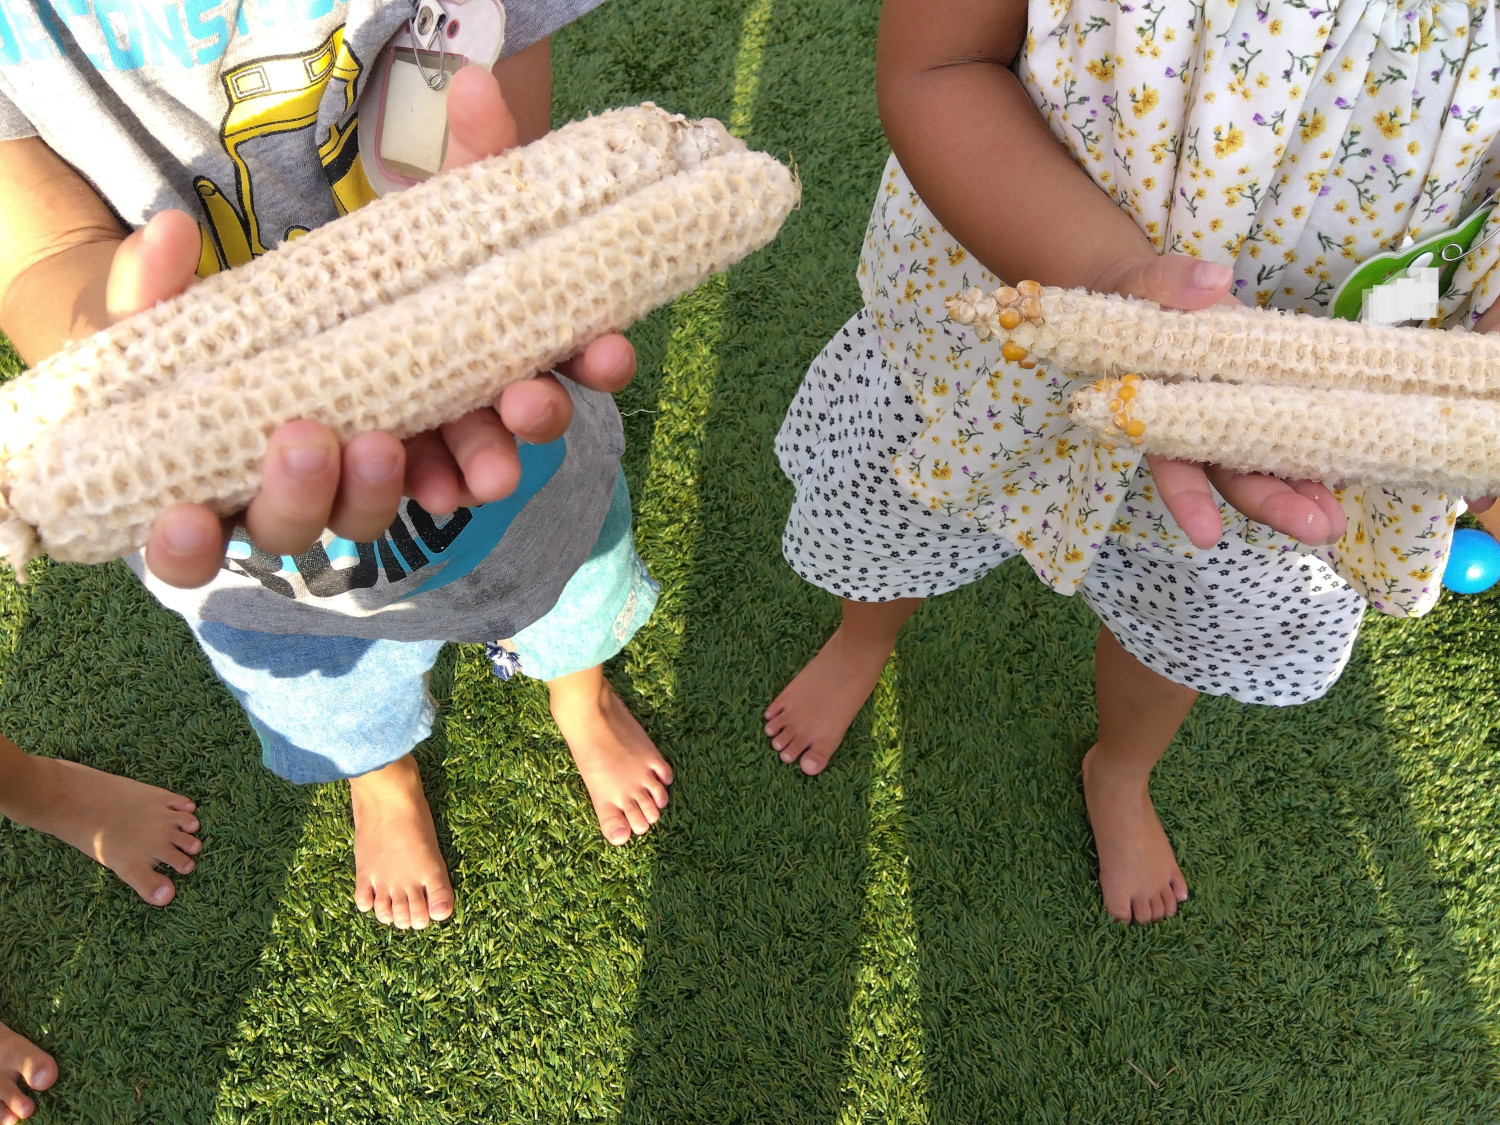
x,y
404,105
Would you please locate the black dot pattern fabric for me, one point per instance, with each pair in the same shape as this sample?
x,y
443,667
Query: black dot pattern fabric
x,y
1261,626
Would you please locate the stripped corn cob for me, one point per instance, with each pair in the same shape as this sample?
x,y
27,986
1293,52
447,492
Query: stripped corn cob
x,y
1337,437
392,247
1300,397
1106,335
93,479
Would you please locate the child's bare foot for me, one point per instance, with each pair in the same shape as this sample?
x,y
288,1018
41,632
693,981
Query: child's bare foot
x,y
21,1061
399,872
808,720
1137,871
626,775
126,825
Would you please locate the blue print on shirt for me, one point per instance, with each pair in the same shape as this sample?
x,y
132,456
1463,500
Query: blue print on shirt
x,y
413,543
125,35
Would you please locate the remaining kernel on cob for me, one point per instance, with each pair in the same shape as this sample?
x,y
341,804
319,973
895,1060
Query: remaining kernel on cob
x,y
1105,334
96,473
1337,437
1258,390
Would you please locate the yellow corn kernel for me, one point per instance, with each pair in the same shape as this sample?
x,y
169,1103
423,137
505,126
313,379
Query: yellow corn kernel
x,y
1009,318
1006,296
1012,351
1029,288
1135,428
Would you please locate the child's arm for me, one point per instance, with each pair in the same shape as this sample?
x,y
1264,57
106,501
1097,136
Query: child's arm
x,y
67,268
982,158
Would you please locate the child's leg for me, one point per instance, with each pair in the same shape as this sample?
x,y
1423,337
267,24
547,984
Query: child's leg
x,y
1253,623
1139,714
626,775
807,721
21,1061
606,600
343,708
126,825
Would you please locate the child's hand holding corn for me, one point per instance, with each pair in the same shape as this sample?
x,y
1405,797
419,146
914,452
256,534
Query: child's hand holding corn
x,y
1305,510
309,483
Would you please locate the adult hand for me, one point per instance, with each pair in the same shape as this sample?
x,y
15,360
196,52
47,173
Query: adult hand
x,y
309,482
1305,510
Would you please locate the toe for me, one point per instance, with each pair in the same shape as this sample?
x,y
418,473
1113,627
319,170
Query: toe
x,y
400,911
615,827
815,759
364,898
417,904
384,911
188,823
1179,887
646,802
39,1070
153,887
657,792
440,902
1118,907
14,1105
637,819
177,858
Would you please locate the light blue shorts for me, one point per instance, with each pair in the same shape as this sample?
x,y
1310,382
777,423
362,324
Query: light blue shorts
x,y
328,708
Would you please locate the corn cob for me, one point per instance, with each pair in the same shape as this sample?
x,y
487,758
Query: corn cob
x,y
1301,397
94,477
1337,437
394,246
1105,335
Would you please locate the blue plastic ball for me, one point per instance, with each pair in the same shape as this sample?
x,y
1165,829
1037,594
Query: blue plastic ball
x,y
1473,563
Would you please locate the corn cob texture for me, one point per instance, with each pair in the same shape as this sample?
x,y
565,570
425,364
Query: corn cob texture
x,y
1258,390
401,316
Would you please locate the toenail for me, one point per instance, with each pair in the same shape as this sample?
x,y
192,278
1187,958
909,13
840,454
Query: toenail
x,y
160,894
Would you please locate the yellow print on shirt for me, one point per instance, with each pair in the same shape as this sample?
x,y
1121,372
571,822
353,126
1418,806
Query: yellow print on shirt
x,y
278,97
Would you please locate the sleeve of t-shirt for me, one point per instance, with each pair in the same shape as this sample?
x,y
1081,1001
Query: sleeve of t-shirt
x,y
528,21
13,123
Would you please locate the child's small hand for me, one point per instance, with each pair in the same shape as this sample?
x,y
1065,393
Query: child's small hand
x,y
308,482
1305,510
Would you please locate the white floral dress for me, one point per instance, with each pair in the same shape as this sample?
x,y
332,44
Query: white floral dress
x,y
1291,139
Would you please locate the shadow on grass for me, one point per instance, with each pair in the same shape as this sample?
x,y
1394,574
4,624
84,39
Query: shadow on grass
x,y
103,676
153,1015
1314,973
1320,970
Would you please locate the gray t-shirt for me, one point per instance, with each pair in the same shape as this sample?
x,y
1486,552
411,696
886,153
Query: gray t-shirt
x,y
243,113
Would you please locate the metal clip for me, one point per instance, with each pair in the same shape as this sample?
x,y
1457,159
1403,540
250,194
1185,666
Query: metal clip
x,y
426,26
1460,252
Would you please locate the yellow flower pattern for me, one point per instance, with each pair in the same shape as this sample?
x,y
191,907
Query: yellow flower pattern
x,y
1290,139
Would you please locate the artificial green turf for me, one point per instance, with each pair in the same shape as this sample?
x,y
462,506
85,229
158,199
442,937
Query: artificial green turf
x,y
914,936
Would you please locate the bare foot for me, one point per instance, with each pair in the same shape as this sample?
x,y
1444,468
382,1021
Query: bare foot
x,y
399,872
808,720
21,1061
626,775
126,825
1137,871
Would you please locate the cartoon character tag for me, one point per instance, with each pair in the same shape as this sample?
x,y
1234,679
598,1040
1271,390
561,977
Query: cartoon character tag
x,y
406,97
